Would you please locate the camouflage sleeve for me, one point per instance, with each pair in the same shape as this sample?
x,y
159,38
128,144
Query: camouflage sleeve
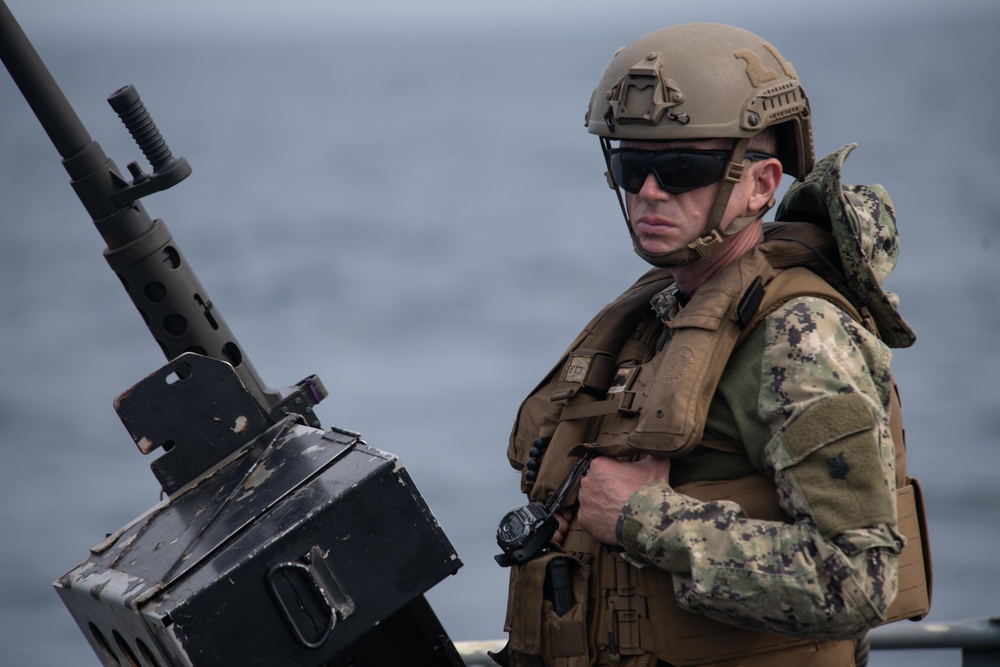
x,y
831,573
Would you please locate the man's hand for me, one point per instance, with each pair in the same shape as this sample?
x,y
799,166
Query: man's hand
x,y
564,517
606,488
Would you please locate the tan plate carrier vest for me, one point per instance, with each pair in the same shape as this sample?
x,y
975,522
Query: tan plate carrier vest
x,y
634,611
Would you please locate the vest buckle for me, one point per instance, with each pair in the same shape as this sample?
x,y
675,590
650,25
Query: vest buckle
x,y
626,400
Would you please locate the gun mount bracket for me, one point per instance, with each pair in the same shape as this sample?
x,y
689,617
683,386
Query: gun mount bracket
x,y
194,408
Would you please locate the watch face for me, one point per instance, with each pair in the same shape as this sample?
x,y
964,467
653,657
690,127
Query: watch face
x,y
512,527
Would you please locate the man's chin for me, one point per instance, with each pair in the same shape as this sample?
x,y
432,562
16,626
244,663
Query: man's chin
x,y
655,247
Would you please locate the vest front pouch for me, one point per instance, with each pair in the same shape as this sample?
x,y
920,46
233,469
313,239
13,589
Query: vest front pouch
x,y
608,330
539,590
584,379
687,374
583,375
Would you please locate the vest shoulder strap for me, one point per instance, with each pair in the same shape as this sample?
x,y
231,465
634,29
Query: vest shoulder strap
x,y
797,282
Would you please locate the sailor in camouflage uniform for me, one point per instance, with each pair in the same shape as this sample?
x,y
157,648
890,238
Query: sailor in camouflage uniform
x,y
748,503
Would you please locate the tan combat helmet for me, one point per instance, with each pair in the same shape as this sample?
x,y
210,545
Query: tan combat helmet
x,y
702,81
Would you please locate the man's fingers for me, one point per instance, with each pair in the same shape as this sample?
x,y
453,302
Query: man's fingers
x,y
658,467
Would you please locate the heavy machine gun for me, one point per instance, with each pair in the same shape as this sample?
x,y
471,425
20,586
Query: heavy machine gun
x,y
277,542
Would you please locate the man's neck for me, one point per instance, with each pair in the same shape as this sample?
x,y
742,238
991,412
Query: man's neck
x,y
689,278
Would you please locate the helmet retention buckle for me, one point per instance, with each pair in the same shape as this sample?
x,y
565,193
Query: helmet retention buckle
x,y
707,244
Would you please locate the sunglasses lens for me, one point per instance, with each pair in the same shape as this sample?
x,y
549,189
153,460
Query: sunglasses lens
x,y
676,171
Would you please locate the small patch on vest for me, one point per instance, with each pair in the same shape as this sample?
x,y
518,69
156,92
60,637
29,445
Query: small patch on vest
x,y
678,363
623,379
838,466
576,370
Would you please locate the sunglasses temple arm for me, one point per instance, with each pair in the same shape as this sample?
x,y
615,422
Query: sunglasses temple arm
x,y
606,149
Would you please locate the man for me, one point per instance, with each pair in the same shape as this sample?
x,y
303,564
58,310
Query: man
x,y
745,503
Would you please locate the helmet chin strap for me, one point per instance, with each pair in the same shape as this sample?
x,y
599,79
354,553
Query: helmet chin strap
x,y
712,237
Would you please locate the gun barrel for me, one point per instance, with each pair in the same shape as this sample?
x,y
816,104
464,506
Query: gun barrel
x,y
162,285
93,175
39,88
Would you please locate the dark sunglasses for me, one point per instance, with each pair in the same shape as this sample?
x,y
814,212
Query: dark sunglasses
x,y
677,171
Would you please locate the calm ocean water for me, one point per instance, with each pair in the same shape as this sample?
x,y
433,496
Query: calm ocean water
x,y
420,218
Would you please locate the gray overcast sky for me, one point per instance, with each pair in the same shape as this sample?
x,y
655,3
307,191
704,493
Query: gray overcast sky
x,y
79,15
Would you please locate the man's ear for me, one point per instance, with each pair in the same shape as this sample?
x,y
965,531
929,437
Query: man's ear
x,y
766,179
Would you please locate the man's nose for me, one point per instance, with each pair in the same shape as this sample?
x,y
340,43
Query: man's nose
x,y
651,188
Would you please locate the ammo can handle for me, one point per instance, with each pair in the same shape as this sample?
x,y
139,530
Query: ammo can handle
x,y
285,609
328,590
